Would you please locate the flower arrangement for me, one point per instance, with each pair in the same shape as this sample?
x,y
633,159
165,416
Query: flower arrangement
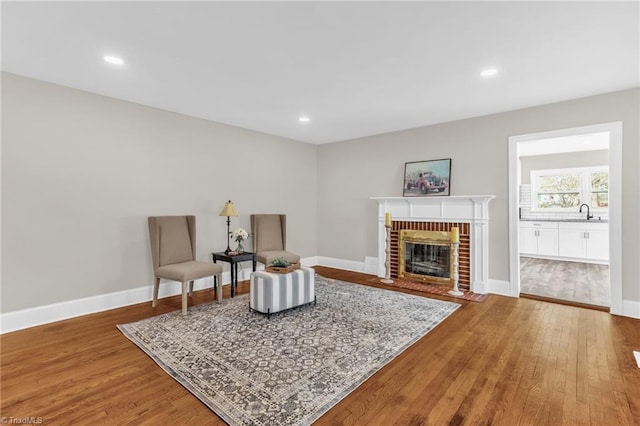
x,y
240,235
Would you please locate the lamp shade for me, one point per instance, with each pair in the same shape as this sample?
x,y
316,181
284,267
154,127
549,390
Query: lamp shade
x,y
229,210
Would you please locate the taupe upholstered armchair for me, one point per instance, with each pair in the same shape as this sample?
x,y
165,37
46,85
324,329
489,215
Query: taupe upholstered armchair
x,y
173,249
269,233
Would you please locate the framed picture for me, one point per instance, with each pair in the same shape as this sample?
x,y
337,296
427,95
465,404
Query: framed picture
x,y
427,178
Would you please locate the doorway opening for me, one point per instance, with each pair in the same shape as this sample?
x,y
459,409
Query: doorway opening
x,y
565,201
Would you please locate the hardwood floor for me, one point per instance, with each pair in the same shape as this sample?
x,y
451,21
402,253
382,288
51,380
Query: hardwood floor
x,y
502,362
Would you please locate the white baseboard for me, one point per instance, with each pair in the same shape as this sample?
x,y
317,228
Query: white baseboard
x,y
31,317
25,318
631,309
371,265
309,261
348,265
500,287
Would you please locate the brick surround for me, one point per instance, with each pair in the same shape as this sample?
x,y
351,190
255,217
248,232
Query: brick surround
x,y
464,260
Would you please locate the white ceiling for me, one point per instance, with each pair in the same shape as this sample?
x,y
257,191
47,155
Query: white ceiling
x,y
355,68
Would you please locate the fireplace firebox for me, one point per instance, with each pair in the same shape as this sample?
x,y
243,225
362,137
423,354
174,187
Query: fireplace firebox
x,y
425,256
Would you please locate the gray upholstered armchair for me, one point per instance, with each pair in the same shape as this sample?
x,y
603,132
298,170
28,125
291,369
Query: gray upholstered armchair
x,y
173,249
269,233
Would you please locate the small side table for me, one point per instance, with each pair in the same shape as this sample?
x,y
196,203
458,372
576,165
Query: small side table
x,y
233,261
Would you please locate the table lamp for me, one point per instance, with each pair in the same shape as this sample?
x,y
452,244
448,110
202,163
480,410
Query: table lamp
x,y
228,210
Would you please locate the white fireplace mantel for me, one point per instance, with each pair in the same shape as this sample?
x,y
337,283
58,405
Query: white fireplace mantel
x,y
472,209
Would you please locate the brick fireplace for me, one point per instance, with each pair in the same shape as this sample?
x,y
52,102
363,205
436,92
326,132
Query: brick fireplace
x,y
464,260
469,213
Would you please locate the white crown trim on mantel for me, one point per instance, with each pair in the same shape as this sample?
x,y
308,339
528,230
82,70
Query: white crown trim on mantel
x,y
472,209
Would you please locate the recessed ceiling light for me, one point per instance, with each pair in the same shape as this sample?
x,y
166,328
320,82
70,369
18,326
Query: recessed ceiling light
x,y
489,72
303,119
114,60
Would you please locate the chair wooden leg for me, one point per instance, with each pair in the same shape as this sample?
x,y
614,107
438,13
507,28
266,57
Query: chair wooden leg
x,y
219,289
190,288
184,298
156,285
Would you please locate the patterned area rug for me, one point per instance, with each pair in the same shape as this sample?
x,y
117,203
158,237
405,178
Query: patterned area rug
x,y
432,289
292,368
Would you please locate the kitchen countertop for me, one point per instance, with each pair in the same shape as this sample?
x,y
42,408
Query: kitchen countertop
x,y
595,220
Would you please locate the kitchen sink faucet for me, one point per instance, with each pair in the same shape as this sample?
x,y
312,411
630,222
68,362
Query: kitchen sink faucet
x,y
589,216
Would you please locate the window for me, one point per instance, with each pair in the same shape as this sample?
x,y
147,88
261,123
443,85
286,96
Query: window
x,y
600,189
566,189
557,191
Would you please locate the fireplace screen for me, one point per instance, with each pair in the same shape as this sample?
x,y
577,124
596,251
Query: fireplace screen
x,y
425,255
428,259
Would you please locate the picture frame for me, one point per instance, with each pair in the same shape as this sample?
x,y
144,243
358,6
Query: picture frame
x,y
427,178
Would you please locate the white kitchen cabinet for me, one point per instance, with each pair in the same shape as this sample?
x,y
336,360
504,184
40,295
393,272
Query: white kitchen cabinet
x,y
584,241
539,238
598,245
572,242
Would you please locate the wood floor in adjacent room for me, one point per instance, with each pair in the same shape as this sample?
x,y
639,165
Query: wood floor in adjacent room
x,y
506,361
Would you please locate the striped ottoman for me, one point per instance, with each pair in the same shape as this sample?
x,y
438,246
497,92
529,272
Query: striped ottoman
x,y
269,293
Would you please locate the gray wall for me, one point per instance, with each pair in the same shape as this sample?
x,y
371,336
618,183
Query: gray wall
x,y
81,172
594,158
353,171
